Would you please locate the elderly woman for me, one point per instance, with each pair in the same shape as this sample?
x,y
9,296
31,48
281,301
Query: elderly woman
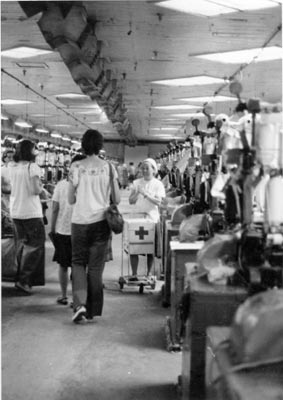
x,y
147,193
89,191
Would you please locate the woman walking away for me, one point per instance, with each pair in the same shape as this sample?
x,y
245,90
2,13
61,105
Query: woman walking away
x,y
26,211
147,193
61,232
89,191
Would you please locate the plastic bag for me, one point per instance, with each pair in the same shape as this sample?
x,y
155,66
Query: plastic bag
x,y
192,228
257,329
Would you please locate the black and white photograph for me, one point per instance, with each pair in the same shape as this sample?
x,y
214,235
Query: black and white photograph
x,y
141,200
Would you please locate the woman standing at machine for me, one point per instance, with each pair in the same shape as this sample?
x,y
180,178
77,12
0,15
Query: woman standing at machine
x,y
147,193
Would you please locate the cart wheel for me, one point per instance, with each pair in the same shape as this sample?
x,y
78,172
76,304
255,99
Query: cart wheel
x,y
141,289
121,282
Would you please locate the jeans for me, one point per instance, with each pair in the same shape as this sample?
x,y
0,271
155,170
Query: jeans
x,y
30,251
89,244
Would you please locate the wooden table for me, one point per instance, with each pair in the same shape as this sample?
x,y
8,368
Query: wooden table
x,y
210,305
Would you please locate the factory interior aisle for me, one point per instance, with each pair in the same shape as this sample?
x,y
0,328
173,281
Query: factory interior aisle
x,y
121,356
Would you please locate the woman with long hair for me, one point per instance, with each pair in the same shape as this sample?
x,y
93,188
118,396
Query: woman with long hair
x,y
89,191
26,212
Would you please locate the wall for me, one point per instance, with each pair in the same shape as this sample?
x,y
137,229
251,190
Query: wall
x,y
135,154
155,148
114,150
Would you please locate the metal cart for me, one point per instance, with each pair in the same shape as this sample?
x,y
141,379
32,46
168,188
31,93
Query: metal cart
x,y
138,237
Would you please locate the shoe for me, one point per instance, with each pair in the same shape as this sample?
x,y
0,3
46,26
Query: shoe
x,y
79,314
23,287
62,300
133,278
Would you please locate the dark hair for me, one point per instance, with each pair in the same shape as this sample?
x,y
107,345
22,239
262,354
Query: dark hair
x,y
241,107
77,157
24,151
92,142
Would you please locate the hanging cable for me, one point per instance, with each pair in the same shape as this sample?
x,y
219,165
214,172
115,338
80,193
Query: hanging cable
x,y
44,98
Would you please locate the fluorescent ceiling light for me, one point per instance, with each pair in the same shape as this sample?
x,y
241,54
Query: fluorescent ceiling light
x,y
243,5
195,115
212,8
165,129
190,81
66,138
200,7
56,134
41,129
20,122
24,52
245,56
11,102
95,111
72,96
41,115
4,116
61,125
177,107
211,99
75,141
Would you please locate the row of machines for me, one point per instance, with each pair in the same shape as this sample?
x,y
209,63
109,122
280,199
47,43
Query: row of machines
x,y
231,256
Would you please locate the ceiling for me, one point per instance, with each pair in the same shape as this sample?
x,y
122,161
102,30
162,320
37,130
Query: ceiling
x,y
112,51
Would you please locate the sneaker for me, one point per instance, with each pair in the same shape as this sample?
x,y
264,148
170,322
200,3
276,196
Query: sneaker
x,y
62,300
23,287
79,314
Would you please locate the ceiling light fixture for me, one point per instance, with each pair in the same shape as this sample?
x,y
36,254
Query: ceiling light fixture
x,y
12,102
66,138
72,96
4,116
41,129
177,107
208,99
209,8
190,81
21,123
197,115
56,134
165,129
245,56
24,52
61,125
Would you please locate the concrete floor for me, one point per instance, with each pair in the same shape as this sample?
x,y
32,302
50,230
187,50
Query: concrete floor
x,y
121,356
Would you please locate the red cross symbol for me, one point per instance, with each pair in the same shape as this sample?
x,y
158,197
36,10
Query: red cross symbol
x,y
141,232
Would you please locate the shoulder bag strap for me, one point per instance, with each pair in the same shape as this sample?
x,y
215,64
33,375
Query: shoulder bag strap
x,y
112,183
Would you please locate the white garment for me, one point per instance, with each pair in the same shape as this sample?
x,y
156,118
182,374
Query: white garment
x,y
60,195
93,191
23,203
154,187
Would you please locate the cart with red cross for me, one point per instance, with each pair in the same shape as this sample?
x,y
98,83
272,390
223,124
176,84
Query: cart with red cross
x,y
138,238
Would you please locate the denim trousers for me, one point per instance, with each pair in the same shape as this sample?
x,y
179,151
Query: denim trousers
x,y
89,246
30,249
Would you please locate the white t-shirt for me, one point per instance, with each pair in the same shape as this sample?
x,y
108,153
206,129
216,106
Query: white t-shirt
x,y
93,191
60,195
23,203
154,187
